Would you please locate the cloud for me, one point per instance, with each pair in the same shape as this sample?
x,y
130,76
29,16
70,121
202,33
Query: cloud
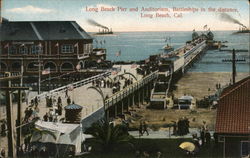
x,y
29,9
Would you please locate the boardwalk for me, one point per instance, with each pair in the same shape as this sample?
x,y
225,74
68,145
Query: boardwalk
x,y
90,99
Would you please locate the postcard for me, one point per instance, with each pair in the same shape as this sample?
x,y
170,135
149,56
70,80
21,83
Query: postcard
x,y
116,78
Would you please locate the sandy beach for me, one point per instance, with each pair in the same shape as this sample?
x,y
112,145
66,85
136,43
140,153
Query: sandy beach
x,y
195,84
200,84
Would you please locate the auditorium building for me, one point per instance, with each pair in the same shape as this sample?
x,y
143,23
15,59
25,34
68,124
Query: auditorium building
x,y
60,46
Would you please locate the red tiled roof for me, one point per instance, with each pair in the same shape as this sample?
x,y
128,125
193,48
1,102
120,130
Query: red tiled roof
x,y
233,113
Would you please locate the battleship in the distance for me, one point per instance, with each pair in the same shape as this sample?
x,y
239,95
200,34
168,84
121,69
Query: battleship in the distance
x,y
243,30
105,31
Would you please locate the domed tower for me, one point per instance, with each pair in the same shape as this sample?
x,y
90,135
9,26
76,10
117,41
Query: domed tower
x,y
194,35
73,113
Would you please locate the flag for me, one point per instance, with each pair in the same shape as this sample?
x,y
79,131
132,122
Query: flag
x,y
57,44
205,27
7,45
76,45
40,44
118,53
70,87
133,66
46,71
78,66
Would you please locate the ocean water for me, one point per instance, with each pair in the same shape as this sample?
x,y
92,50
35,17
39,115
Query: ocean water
x,y
140,45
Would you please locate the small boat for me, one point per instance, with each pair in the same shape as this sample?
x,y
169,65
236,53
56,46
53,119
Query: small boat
x,y
168,48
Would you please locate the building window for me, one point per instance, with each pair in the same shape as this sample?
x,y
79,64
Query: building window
x,y
36,49
67,48
23,50
12,50
245,148
87,48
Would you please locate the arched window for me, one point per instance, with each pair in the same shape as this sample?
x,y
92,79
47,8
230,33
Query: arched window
x,y
3,66
67,66
32,66
16,66
82,63
50,65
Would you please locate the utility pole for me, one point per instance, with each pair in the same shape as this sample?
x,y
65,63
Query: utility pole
x,y
9,121
233,61
9,89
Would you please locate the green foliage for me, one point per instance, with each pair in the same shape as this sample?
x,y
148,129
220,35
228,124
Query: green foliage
x,y
108,135
40,132
168,147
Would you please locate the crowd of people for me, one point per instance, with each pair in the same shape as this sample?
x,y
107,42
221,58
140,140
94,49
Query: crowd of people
x,y
52,115
115,84
181,127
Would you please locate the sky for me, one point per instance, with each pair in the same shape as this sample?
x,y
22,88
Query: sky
x,y
79,10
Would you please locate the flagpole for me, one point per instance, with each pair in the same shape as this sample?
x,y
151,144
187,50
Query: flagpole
x,y
39,74
49,81
39,69
21,81
77,49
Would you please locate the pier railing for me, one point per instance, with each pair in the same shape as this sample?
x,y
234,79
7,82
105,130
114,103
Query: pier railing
x,y
73,85
118,96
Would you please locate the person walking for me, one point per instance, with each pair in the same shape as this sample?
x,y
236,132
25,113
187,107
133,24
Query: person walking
x,y
202,136
66,93
207,137
145,128
68,100
140,130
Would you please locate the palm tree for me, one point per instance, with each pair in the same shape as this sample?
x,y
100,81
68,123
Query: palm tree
x,y
40,133
108,135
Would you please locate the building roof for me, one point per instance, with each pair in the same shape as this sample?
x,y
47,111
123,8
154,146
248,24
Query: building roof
x,y
186,97
41,30
233,113
73,107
